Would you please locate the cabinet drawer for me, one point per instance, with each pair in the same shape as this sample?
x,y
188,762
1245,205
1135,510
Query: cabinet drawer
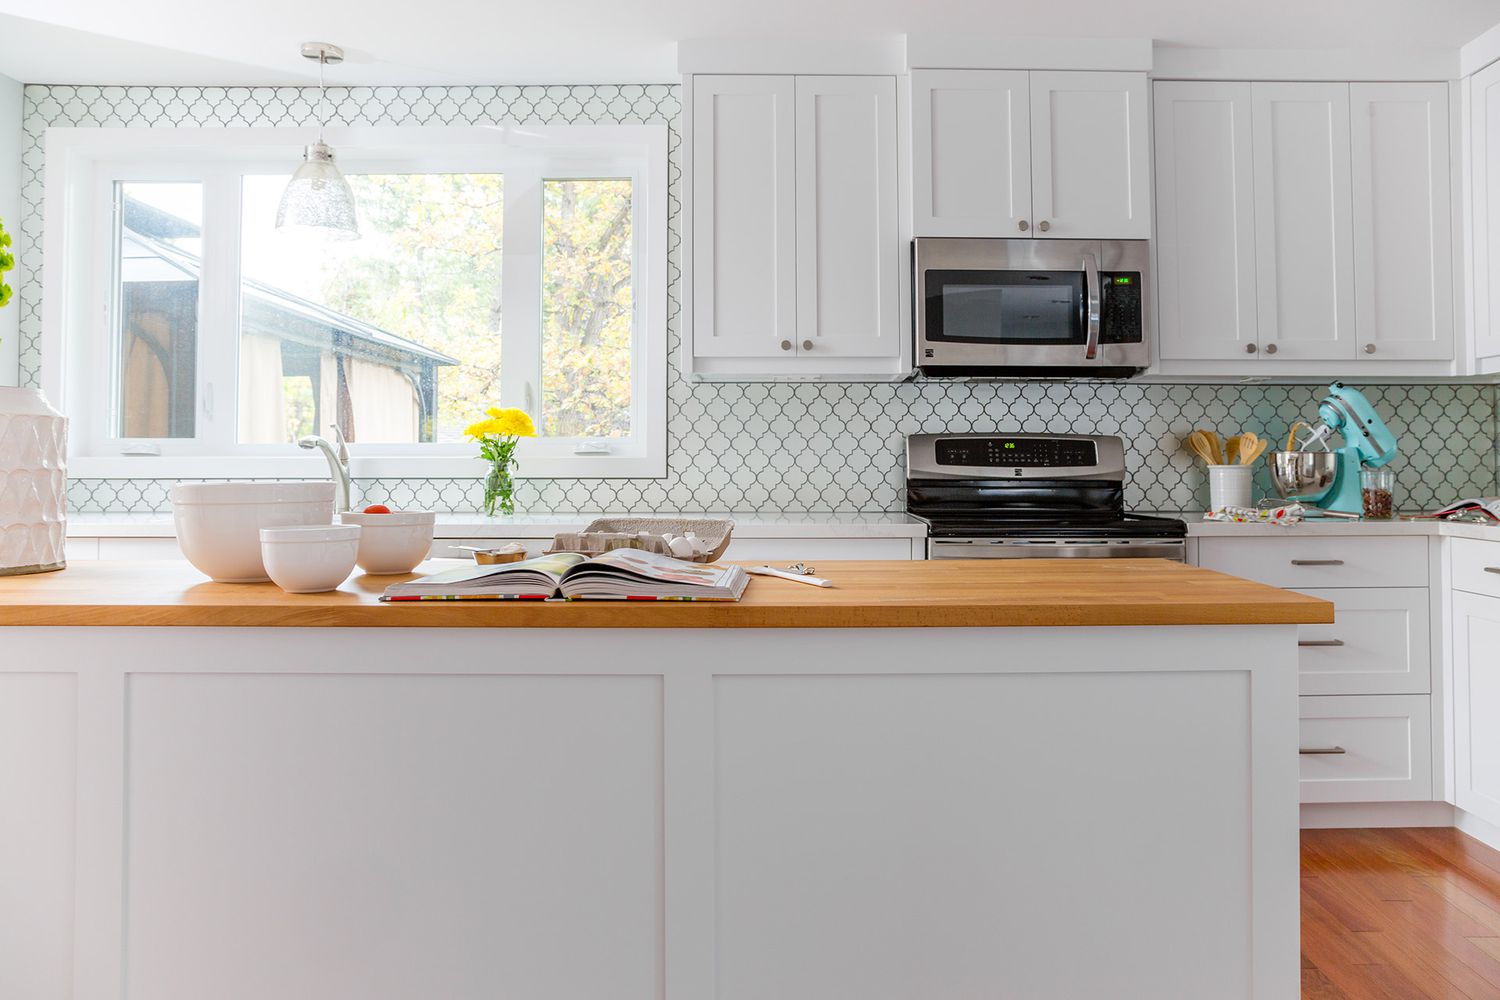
x,y
1476,566
1379,643
1376,748
1302,562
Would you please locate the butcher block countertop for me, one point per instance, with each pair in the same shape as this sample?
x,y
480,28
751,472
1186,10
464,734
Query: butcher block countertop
x,y
948,594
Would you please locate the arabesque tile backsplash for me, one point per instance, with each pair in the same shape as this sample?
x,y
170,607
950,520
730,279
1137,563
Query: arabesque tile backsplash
x,y
760,446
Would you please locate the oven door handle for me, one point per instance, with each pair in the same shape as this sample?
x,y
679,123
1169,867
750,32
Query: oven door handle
x,y
1095,295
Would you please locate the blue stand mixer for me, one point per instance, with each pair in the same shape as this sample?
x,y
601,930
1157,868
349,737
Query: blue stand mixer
x,y
1330,479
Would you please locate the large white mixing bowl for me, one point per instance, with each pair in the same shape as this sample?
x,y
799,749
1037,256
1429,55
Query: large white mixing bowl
x,y
218,524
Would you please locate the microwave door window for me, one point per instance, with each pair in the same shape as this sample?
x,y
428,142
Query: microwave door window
x,y
1043,310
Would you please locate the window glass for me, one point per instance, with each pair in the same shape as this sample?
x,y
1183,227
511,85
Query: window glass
x,y
158,256
394,336
587,308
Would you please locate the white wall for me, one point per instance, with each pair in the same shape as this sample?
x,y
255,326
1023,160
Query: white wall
x,y
10,212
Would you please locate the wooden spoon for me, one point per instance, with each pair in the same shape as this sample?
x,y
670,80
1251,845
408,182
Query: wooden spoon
x,y
1197,443
1215,448
1232,448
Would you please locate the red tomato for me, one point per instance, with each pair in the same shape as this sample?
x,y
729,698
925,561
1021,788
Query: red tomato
x,y
377,508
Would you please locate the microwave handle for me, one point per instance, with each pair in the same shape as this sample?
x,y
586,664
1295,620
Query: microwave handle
x,y
1091,283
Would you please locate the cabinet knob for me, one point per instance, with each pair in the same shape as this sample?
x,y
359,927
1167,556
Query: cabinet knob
x,y
807,345
1044,225
1369,348
786,345
1270,348
1023,225
1251,348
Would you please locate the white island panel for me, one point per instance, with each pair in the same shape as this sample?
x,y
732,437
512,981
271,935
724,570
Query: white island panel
x,y
313,836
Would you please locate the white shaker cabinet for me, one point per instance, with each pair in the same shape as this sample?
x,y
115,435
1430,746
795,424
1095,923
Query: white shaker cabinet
x,y
796,257
1304,235
1484,211
1476,702
848,251
1205,221
1090,156
971,152
744,225
1010,153
1403,221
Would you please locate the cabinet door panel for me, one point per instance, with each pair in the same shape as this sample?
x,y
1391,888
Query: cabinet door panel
x,y
1484,121
1303,234
971,153
1205,220
1090,149
744,218
1403,264
848,258
1476,704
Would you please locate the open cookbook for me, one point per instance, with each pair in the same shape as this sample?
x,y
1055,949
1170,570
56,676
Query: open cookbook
x,y
617,575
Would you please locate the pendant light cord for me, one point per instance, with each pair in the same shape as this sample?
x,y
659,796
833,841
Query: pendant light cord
x,y
322,95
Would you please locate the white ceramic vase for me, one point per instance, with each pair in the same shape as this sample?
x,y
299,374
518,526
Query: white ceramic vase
x,y
33,482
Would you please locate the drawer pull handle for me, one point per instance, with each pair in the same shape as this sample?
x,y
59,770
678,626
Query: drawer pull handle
x,y
1321,750
1320,642
1492,569
1317,562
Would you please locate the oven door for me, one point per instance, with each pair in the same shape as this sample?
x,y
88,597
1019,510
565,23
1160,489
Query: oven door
x,y
1057,548
1027,307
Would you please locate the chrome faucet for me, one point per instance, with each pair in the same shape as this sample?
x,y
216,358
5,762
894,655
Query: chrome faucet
x,y
338,460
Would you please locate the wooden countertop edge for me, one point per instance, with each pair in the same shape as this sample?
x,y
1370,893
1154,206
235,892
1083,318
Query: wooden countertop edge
x,y
674,615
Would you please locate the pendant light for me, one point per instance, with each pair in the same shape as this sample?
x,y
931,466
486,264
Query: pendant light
x,y
317,201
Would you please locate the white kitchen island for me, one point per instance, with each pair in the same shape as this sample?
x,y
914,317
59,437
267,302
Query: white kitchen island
x,y
1033,779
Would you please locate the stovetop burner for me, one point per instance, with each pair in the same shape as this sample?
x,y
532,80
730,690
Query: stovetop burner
x,y
1025,486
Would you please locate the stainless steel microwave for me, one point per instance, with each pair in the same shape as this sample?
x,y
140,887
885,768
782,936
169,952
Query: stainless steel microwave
x,y
1032,307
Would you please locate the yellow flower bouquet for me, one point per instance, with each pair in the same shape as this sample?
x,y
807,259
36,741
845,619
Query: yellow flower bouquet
x,y
496,436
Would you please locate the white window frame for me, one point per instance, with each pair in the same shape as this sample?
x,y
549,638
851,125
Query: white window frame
x,y
83,166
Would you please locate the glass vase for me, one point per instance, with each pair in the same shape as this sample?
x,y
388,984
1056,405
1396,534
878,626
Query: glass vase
x,y
500,489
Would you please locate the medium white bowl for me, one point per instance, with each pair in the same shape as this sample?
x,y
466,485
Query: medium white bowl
x,y
218,524
310,559
394,542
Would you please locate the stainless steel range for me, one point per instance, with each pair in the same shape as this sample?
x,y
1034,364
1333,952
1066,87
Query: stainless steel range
x,y
1030,496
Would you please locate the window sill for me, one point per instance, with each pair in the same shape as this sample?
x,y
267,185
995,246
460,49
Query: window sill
x,y
361,467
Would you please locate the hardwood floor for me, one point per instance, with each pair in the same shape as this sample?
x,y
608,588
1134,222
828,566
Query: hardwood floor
x,y
1398,914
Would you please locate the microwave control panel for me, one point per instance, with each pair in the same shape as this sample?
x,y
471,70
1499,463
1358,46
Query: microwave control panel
x,y
1120,308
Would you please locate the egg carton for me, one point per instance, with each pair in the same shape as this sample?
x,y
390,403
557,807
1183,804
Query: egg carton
x,y
649,534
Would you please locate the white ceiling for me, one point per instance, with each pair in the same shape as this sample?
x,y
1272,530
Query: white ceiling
x,y
599,41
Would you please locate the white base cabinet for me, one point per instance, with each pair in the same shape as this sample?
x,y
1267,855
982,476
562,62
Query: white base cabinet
x,y
1366,680
1476,677
617,813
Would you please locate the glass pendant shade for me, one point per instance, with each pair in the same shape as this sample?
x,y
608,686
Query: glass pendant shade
x,y
318,200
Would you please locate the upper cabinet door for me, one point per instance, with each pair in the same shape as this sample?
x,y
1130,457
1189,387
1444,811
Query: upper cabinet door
x,y
1484,131
971,153
744,216
1090,156
1303,234
848,257
1205,221
1403,228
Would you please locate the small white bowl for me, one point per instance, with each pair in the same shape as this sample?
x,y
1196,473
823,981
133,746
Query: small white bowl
x,y
395,542
218,524
310,560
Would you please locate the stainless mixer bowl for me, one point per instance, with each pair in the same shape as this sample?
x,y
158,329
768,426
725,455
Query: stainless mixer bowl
x,y
1302,473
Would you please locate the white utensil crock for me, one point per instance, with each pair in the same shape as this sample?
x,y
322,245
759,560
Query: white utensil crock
x,y
1229,486
33,483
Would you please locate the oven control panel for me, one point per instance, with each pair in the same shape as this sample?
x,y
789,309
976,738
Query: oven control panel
x,y
1016,452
